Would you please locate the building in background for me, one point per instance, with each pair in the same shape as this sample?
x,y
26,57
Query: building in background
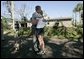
x,y
67,22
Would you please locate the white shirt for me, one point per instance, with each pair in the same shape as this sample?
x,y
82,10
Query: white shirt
x,y
40,24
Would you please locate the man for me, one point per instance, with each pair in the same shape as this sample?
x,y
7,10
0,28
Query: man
x,y
38,30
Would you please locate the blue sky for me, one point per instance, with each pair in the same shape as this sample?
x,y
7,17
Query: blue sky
x,y
54,9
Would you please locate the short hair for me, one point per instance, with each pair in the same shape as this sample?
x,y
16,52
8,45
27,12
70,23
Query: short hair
x,y
37,7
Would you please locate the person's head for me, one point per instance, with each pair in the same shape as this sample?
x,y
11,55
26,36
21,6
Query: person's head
x,y
38,9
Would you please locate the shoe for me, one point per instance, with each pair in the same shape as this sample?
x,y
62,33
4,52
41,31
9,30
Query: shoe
x,y
41,52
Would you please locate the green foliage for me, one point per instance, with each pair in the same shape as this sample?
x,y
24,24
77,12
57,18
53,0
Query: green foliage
x,y
79,26
71,33
63,32
48,31
25,31
21,32
79,31
4,23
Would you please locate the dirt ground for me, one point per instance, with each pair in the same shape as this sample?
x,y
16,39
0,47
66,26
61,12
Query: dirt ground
x,y
55,48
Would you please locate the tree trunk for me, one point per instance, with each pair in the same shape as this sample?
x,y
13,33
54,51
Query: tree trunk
x,y
75,18
12,12
80,17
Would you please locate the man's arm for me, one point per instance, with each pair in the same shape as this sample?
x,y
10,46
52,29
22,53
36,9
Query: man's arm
x,y
34,21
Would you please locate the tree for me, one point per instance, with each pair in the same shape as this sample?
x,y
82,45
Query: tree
x,y
75,15
22,12
10,8
12,16
78,8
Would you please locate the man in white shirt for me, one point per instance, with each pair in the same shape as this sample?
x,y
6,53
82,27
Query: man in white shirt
x,y
38,29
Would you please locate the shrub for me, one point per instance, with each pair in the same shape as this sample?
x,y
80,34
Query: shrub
x,y
20,32
48,31
4,23
63,32
24,31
